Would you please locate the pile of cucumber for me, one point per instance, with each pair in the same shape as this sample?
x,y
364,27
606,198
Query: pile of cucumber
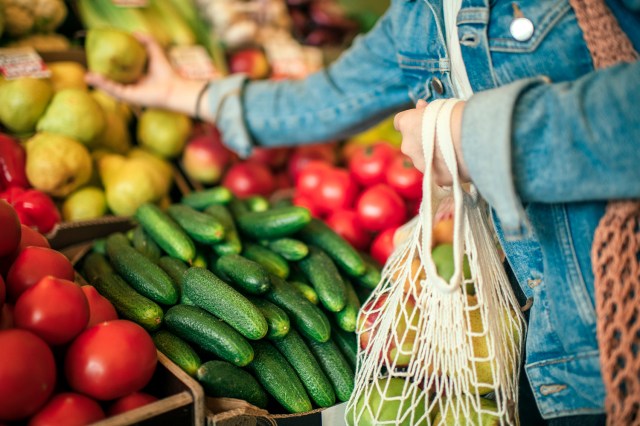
x,y
257,302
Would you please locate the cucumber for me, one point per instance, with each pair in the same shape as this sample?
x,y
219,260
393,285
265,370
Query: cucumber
x,y
274,223
307,317
272,262
212,294
237,207
277,319
142,274
231,243
202,199
184,300
99,246
178,351
197,326
325,278
200,260
343,254
288,248
175,268
257,203
347,343
307,291
165,232
372,273
277,376
202,227
221,379
142,242
282,202
296,351
250,276
335,366
129,303
347,318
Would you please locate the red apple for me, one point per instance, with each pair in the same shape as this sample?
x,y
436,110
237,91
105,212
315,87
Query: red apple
x,y
249,178
272,157
382,245
205,158
251,61
399,346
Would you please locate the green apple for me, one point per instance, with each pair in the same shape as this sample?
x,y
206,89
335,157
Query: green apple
x,y
85,203
442,256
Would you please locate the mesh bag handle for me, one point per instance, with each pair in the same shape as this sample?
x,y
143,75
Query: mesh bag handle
x,y
615,251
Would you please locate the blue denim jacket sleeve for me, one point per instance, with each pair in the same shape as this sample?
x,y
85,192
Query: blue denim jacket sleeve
x,y
563,142
362,87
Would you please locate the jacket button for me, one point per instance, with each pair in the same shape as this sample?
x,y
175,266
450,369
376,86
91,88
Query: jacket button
x,y
521,29
437,85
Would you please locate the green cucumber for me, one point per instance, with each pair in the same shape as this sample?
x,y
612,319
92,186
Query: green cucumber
x,y
202,227
142,274
257,203
100,246
231,243
237,207
347,343
142,242
212,294
277,376
200,260
296,351
178,351
325,278
165,232
372,274
335,366
129,303
274,223
197,326
175,268
250,276
202,199
347,318
307,291
288,248
307,317
273,262
221,379
343,254
277,319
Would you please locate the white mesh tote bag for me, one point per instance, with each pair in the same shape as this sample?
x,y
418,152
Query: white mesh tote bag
x,y
436,350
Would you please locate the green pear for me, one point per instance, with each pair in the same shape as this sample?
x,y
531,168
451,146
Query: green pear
x,y
22,103
129,188
67,75
109,103
115,134
73,113
85,203
454,415
163,132
115,54
57,164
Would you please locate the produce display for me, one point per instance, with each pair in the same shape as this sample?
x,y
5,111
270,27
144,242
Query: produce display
x,y
66,357
217,281
32,24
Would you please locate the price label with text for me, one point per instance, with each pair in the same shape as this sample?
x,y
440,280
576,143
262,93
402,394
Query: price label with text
x,y
193,62
22,62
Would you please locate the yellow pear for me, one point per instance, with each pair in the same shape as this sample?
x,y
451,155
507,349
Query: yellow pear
x,y
115,135
115,54
67,75
22,102
163,132
160,171
85,203
109,103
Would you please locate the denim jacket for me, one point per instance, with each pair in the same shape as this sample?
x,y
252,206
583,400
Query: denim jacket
x,y
546,139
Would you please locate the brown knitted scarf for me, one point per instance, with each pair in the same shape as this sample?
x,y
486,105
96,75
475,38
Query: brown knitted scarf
x,y
615,253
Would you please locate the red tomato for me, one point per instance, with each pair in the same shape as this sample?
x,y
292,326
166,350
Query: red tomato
x,y
282,180
68,409
249,178
336,191
27,374
111,360
382,245
55,309
100,309
346,224
369,163
404,178
307,202
311,176
272,157
380,207
10,225
34,263
29,237
324,150
131,402
307,153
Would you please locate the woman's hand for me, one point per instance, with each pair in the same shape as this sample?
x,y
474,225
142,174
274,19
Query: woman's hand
x,y
160,87
409,123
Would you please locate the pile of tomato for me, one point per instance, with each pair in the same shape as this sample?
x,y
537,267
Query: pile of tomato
x,y
65,357
367,199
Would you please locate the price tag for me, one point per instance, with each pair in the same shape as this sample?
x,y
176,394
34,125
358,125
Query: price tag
x,y
131,3
22,62
193,62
